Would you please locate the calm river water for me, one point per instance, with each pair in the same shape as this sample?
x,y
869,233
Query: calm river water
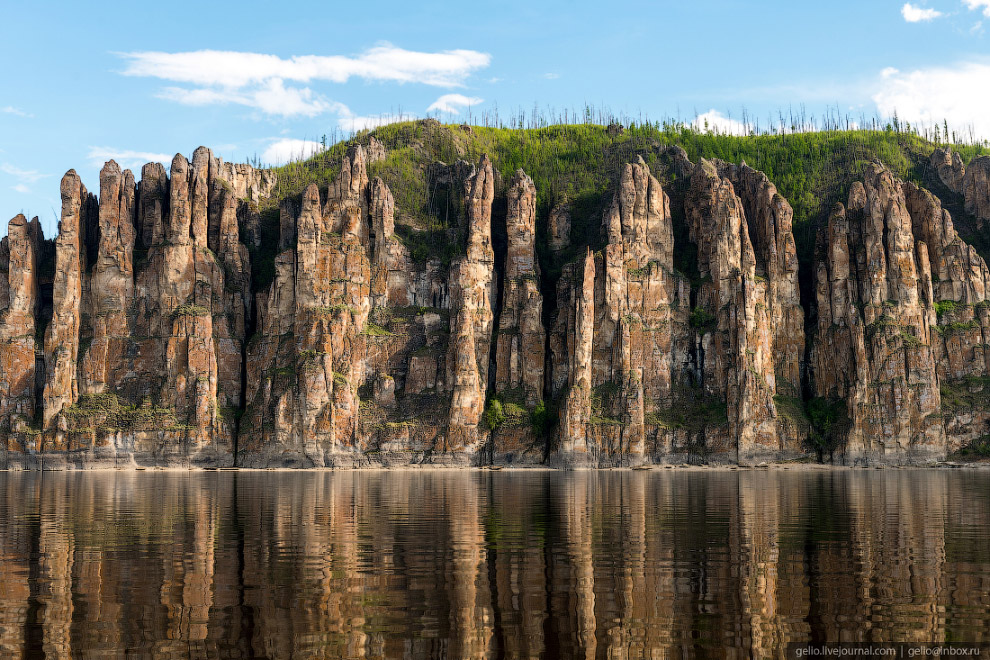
x,y
466,564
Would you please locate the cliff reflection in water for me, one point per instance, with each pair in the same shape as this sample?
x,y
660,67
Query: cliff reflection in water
x,y
473,565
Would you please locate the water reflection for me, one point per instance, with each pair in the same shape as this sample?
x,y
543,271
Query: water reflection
x,y
476,565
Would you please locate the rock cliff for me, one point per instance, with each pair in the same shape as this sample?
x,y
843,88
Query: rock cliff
x,y
204,316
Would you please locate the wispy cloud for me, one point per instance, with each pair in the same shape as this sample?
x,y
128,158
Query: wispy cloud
x,y
914,14
277,86
126,158
714,121
286,150
551,76
957,94
272,98
978,4
21,177
27,176
11,110
451,102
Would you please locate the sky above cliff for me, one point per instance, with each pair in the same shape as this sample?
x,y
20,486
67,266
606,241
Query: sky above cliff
x,y
138,82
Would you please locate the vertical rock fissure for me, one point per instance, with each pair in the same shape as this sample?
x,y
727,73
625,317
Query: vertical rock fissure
x,y
500,247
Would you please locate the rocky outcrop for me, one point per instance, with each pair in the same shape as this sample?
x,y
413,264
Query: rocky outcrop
x,y
751,301
972,181
949,168
150,304
620,313
521,339
473,293
203,316
670,367
302,366
769,221
61,388
873,348
559,228
976,188
18,306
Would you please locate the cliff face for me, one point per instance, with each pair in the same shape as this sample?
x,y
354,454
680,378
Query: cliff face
x,y
143,334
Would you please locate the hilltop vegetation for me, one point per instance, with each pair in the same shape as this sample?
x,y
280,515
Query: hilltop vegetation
x,y
580,162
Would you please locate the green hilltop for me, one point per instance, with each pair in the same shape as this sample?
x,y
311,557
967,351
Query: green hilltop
x,y
580,163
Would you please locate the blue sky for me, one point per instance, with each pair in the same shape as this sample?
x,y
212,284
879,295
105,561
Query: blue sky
x,y
84,82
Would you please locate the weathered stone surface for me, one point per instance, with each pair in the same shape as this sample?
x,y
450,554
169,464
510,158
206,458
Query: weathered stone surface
x,y
736,360
769,219
62,336
18,306
873,346
976,188
364,350
473,294
972,182
949,168
246,182
111,283
521,338
375,151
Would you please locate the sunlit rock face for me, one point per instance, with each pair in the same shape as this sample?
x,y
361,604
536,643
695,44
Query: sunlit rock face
x,y
212,314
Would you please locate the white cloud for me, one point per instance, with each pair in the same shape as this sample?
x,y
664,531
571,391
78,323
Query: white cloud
x,y
272,98
714,121
234,69
551,76
287,150
11,110
977,4
25,176
957,94
450,103
913,14
21,188
126,158
258,80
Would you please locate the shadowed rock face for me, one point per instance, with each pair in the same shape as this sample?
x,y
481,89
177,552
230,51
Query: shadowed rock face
x,y
972,182
160,344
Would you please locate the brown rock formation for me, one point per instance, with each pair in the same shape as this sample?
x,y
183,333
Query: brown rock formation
x,y
737,357
369,346
972,182
18,306
873,346
473,292
614,331
62,336
976,188
949,168
519,355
